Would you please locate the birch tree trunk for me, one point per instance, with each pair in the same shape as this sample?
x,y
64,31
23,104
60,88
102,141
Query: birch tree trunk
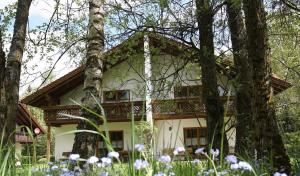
x,y
85,143
214,107
243,80
268,141
10,73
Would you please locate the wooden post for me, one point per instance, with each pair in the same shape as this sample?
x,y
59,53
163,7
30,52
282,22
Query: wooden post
x,y
48,154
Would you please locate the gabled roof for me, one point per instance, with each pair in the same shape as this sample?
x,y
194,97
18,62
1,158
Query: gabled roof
x,y
25,118
48,94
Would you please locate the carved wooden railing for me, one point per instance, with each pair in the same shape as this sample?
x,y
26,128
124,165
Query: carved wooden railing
x,y
53,114
22,137
186,107
118,111
121,111
178,106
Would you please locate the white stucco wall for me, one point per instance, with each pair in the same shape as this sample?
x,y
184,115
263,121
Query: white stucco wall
x,y
18,147
168,134
166,138
63,143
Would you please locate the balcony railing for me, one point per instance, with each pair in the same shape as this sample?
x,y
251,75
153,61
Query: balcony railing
x,y
121,111
22,137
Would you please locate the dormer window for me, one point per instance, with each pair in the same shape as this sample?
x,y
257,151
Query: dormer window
x,y
187,91
117,95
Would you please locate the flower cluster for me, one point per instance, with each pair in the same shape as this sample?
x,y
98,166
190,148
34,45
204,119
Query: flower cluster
x,y
165,165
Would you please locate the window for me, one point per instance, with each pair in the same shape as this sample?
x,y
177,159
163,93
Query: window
x,y
118,95
187,91
194,137
116,139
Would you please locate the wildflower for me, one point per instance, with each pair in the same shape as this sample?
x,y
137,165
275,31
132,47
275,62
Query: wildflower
x,y
164,159
92,160
178,150
171,174
77,169
140,164
279,174
245,166
18,163
231,159
159,174
139,147
234,166
101,165
196,161
224,172
200,151
50,163
106,161
37,131
104,174
34,169
168,166
215,152
74,156
54,167
64,169
113,155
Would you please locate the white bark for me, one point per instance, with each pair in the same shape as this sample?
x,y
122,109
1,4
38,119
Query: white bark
x,y
148,74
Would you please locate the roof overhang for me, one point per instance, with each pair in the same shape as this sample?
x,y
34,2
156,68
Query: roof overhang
x,y
25,118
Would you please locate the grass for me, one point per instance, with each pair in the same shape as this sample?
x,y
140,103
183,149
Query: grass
x,y
153,165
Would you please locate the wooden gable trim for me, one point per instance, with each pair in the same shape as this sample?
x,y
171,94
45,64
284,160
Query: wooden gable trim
x,y
24,117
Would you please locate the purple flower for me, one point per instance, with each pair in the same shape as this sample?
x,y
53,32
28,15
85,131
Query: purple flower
x,y
140,164
245,166
178,150
139,147
54,167
113,155
104,174
279,174
231,159
196,161
106,161
74,156
215,152
92,160
159,174
200,151
164,159
234,166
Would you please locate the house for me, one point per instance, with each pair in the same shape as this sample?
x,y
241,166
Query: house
x,y
25,120
154,76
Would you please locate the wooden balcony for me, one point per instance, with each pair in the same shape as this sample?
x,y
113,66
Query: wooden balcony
x,y
22,138
121,111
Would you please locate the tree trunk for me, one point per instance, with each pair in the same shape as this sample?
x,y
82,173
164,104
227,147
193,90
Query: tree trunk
x,y
85,143
10,73
214,107
243,81
267,140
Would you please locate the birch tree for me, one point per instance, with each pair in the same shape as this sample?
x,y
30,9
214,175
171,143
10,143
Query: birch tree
x,y
85,143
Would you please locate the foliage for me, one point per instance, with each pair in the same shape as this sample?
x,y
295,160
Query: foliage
x,y
285,50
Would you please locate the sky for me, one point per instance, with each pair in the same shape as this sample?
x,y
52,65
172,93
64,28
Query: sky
x,y
39,13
